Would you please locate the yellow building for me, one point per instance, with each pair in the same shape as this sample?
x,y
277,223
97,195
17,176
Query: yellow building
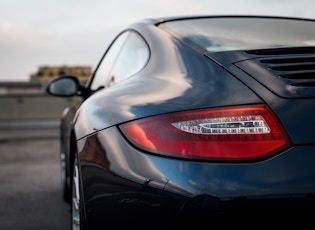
x,y
48,73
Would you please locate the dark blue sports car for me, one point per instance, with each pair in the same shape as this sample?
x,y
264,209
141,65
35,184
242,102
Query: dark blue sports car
x,y
194,121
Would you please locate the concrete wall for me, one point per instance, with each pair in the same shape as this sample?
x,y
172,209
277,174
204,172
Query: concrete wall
x,y
32,108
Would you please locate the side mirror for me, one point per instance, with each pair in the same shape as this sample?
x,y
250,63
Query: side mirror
x,y
66,86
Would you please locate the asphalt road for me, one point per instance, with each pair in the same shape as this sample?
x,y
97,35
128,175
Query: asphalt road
x,y
30,186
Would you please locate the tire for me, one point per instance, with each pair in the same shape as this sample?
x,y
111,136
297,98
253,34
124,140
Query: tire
x,y
77,207
64,179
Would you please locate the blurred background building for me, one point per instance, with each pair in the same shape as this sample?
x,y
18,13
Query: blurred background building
x,y
48,73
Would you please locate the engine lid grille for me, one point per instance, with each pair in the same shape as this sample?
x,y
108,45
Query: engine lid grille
x,y
288,72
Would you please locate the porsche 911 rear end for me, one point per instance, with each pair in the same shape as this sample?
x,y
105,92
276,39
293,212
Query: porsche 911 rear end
x,y
220,165
217,128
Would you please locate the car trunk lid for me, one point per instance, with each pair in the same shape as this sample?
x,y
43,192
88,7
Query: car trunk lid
x,y
288,79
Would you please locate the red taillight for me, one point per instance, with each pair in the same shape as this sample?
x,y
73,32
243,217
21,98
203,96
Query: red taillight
x,y
223,134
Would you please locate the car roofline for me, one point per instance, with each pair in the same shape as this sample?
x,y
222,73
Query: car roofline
x,y
157,21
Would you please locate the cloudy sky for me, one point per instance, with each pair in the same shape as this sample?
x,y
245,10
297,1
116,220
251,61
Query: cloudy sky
x,y
36,33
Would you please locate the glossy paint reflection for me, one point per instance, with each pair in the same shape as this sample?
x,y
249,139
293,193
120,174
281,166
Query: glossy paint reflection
x,y
201,85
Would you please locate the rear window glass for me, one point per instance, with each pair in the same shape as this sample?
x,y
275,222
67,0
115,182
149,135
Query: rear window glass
x,y
243,33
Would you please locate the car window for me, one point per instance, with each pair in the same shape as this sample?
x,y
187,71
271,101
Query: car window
x,y
107,62
126,56
224,34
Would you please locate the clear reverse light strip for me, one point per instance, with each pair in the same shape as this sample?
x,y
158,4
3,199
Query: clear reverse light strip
x,y
225,125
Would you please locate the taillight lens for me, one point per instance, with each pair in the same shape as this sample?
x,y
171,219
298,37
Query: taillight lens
x,y
221,134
